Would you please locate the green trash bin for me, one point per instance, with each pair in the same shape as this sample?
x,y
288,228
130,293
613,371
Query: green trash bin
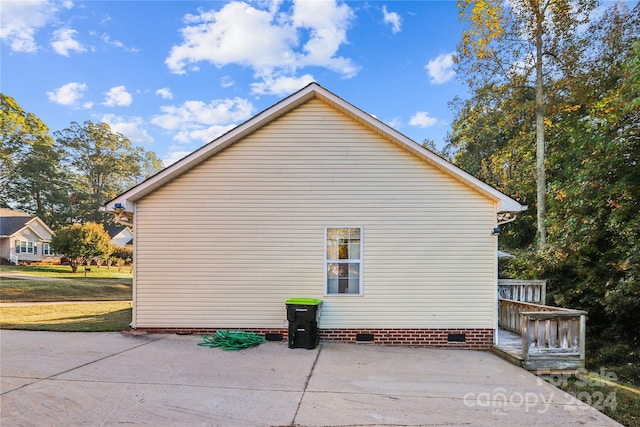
x,y
303,315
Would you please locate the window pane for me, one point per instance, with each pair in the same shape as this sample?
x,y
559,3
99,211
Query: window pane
x,y
354,234
343,252
354,250
332,249
332,270
354,269
343,285
344,270
354,285
332,286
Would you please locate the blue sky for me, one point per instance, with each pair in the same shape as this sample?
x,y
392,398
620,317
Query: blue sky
x,y
173,75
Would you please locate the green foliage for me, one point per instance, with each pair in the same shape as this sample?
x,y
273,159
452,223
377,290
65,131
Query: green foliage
x,y
22,135
66,180
81,242
592,257
105,164
39,183
510,46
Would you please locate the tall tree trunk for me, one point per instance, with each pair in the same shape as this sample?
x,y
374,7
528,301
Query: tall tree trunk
x,y
540,143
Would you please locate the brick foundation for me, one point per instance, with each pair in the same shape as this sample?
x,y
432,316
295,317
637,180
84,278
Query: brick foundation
x,y
474,339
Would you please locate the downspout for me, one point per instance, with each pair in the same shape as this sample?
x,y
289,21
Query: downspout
x,y
135,269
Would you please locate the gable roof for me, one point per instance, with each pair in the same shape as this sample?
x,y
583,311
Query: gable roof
x,y
11,222
114,230
123,204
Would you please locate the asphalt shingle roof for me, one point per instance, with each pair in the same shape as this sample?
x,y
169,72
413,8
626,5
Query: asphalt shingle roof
x,y
11,224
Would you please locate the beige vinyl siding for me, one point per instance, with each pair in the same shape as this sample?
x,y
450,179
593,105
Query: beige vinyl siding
x,y
225,244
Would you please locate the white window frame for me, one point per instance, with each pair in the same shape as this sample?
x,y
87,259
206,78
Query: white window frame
x,y
46,249
29,247
359,261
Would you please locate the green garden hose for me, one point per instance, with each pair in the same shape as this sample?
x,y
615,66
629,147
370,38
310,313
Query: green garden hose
x,y
232,340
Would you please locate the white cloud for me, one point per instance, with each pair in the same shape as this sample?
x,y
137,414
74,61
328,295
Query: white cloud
x,y
395,122
198,121
441,69
269,40
107,39
206,134
393,19
132,128
63,42
118,97
423,120
70,95
164,93
326,24
227,81
20,20
280,85
237,33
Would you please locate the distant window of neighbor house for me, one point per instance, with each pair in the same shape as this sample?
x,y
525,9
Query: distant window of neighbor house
x,y
343,260
26,247
46,249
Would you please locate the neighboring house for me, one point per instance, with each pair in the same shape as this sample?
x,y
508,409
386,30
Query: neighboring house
x,y
120,236
25,238
315,198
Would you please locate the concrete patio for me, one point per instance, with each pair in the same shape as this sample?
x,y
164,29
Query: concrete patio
x,y
107,379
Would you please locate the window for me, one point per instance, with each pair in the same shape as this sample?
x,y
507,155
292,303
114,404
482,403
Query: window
x,y
26,247
46,249
343,260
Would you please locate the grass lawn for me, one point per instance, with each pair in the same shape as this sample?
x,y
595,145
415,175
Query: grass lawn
x,y
106,295
620,403
21,290
64,271
68,317
610,382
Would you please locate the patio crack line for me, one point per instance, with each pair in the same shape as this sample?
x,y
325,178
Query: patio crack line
x,y
83,365
306,384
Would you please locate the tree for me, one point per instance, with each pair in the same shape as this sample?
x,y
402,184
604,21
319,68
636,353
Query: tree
x,y
19,133
103,164
38,186
595,211
522,38
81,242
592,258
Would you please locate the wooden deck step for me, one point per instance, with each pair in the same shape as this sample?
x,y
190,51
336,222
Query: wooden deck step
x,y
509,347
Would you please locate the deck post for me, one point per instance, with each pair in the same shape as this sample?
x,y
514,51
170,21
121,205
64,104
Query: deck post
x,y
524,324
583,338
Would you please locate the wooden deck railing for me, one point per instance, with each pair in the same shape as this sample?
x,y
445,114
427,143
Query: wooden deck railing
x,y
552,337
523,290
